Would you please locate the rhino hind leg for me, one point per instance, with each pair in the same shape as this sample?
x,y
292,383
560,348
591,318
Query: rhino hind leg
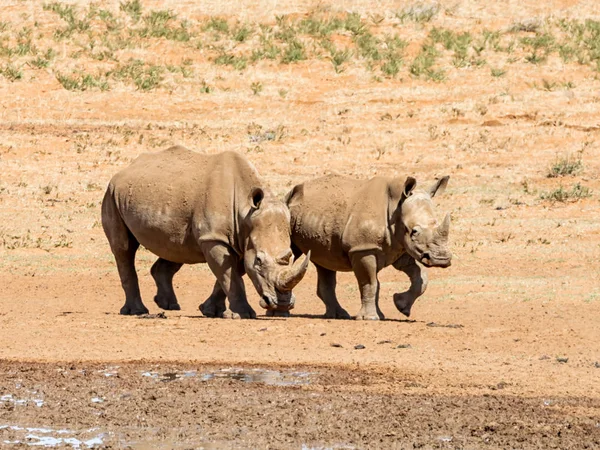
x,y
326,284
418,283
225,265
163,271
214,306
124,247
364,265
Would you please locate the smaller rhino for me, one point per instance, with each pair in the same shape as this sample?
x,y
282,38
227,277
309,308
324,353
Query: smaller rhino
x,y
364,226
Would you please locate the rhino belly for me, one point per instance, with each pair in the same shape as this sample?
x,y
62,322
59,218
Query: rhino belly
x,y
168,236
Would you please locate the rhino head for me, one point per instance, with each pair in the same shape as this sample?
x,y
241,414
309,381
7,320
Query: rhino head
x,y
421,236
268,258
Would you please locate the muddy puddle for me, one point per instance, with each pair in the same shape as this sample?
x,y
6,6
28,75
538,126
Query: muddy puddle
x,y
49,437
264,376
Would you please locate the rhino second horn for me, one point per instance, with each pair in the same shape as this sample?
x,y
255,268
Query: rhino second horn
x,y
444,229
289,278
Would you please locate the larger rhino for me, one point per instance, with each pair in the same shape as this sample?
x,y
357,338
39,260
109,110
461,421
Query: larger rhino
x,y
364,226
188,208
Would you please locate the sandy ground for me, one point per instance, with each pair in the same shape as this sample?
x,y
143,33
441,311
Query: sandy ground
x,y
502,351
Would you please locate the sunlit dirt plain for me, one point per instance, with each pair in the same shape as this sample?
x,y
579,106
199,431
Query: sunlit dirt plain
x,y
502,351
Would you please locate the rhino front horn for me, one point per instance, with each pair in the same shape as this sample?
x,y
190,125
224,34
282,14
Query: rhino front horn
x,y
444,229
289,278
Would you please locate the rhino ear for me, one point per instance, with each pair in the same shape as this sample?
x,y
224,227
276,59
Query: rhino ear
x,y
409,186
256,197
439,187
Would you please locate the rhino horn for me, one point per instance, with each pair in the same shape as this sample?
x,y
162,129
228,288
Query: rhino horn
x,y
443,230
288,278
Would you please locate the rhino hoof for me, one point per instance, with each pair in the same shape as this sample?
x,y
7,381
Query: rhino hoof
x,y
243,315
209,309
167,304
338,314
367,317
129,311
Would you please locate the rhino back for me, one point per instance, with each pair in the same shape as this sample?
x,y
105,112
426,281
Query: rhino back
x,y
173,199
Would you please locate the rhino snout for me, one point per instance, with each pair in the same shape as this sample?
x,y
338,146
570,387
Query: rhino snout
x,y
282,302
436,261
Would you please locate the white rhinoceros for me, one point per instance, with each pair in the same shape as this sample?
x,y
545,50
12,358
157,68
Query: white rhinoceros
x,y
188,208
364,226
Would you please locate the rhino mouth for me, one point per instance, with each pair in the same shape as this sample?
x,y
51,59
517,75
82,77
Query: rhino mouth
x,y
283,302
428,261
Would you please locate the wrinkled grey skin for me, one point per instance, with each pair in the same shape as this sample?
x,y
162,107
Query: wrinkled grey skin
x,y
188,208
364,226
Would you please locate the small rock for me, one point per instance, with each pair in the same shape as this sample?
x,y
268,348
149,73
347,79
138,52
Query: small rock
x,y
323,334
562,359
263,329
359,347
385,342
544,357
500,385
337,345
404,346
597,365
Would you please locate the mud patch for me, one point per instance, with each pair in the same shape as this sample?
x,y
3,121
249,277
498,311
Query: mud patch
x,y
10,399
246,375
48,437
240,407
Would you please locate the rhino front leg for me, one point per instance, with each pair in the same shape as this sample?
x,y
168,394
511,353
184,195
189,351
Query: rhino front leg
x,y
326,292
214,306
163,271
418,283
364,265
224,264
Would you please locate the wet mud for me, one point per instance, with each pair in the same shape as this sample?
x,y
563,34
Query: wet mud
x,y
144,405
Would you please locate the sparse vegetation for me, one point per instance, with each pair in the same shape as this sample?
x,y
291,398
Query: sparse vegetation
x,y
144,76
133,8
419,12
10,72
562,195
205,88
227,59
81,81
93,33
566,165
256,87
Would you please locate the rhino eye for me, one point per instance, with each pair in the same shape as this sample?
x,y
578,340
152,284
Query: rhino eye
x,y
414,232
258,262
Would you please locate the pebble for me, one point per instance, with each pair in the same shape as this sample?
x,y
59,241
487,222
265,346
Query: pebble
x,y
359,347
337,345
404,346
562,360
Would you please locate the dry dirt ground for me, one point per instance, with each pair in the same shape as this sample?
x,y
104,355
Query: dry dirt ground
x,y
503,350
